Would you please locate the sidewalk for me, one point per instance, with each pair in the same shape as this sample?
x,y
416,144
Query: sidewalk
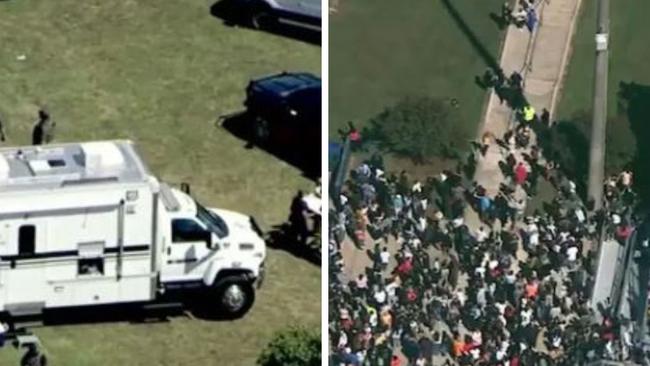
x,y
541,59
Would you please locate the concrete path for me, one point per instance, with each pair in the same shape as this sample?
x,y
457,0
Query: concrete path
x,y
541,59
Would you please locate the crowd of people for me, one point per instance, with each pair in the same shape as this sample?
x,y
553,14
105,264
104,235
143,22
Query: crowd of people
x,y
508,287
524,14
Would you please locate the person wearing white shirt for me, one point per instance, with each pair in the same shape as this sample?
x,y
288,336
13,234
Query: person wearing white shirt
x,y
477,337
480,271
384,257
526,316
457,222
391,289
343,340
481,234
417,187
501,307
422,224
481,297
461,296
572,253
493,264
476,353
4,328
380,296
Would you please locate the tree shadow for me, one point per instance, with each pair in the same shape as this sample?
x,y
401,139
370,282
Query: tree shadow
x,y
240,125
282,237
235,13
473,39
567,143
514,97
634,101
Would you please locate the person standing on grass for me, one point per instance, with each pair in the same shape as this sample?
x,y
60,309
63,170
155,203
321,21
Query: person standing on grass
x,y
354,135
3,137
4,328
43,131
297,218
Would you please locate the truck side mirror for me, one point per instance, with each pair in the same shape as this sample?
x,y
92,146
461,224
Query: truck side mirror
x,y
185,188
208,239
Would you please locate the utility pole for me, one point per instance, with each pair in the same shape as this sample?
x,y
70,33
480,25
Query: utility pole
x,y
599,124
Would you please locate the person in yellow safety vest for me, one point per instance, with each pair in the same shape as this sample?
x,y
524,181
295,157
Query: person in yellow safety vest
x,y
529,113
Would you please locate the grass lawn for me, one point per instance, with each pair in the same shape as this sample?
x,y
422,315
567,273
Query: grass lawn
x,y
160,73
381,51
629,54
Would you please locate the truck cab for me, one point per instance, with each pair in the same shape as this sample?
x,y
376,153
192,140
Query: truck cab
x,y
213,249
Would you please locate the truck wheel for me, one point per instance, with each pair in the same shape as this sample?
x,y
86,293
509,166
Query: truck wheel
x,y
235,297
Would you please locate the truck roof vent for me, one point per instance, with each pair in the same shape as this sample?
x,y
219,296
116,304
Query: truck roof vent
x,y
101,157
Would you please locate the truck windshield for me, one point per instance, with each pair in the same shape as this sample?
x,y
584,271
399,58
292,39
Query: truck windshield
x,y
212,221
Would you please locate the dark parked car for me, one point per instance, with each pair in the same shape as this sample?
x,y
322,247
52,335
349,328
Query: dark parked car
x,y
285,110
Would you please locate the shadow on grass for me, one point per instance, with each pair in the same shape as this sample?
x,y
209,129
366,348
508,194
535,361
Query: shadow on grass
x,y
512,96
283,238
473,39
236,13
241,126
189,303
567,144
500,22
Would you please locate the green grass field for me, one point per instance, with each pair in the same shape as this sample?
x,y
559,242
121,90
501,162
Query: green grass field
x,y
629,54
628,128
160,73
381,51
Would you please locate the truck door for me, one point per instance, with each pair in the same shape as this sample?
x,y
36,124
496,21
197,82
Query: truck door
x,y
24,273
187,253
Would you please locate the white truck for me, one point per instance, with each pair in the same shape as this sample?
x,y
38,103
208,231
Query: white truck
x,y
88,224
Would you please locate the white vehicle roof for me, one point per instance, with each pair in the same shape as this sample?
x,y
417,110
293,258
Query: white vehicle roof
x,y
58,165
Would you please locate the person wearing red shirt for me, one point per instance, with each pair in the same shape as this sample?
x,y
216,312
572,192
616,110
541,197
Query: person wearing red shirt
x,y
521,173
405,267
623,232
514,361
394,361
532,288
411,295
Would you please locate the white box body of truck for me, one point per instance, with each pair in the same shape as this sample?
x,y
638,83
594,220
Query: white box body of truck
x,y
87,224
